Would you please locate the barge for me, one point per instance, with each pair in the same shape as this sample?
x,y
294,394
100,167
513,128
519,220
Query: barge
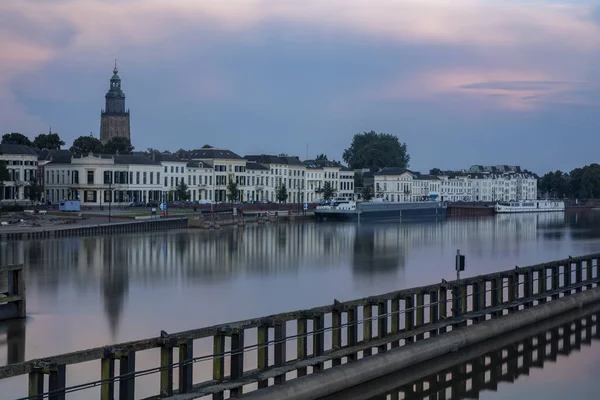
x,y
530,206
380,210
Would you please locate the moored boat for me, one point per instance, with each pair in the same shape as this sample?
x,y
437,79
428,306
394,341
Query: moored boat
x,y
380,210
522,206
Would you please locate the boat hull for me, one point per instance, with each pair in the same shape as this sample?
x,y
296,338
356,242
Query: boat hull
x,y
383,212
529,206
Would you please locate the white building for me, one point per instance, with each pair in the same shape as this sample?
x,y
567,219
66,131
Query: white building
x,y
285,171
319,172
227,167
259,179
100,179
22,166
458,188
503,187
346,184
200,180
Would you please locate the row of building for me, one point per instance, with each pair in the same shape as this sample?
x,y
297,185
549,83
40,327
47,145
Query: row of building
x,y
96,179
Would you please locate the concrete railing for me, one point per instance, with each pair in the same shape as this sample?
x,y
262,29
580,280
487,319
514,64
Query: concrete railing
x,y
324,338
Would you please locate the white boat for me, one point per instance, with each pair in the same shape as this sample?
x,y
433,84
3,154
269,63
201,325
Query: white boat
x,y
529,206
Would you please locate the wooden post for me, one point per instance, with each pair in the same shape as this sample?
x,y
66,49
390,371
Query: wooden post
x,y
352,331
542,278
382,323
420,313
19,285
511,290
528,287
36,384
589,265
395,328
336,334
127,384
280,346
107,390
166,372
578,276
443,300
186,366
263,349
57,382
318,339
237,360
302,349
367,327
567,277
433,311
463,302
409,316
555,281
218,361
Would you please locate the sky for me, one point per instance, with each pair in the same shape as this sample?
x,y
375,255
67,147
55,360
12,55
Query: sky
x,y
461,82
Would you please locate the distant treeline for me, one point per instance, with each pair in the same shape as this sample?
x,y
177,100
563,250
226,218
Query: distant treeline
x,y
581,183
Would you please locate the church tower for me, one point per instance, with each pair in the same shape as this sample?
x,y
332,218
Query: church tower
x,y
114,120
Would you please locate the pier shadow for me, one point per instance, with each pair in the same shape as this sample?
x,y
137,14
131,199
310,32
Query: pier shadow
x,y
469,372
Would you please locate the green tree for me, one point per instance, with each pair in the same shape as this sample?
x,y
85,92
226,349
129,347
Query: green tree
x,y
183,154
367,193
50,141
435,171
16,138
119,144
558,184
207,146
232,191
181,191
328,191
321,157
281,194
86,144
4,176
34,190
376,150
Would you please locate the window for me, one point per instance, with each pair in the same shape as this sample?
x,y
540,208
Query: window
x,y
137,177
90,180
107,177
166,169
158,178
144,177
171,169
172,182
166,183
151,178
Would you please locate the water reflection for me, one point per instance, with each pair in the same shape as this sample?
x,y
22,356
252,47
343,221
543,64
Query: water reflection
x,y
480,368
12,338
302,264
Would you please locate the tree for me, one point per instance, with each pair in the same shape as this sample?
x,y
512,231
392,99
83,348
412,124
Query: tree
x,y
119,144
16,138
4,176
328,191
435,171
321,157
85,145
50,141
281,194
232,191
183,154
367,193
181,191
207,146
35,190
376,150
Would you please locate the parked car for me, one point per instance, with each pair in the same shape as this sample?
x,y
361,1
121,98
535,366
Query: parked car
x,y
152,203
137,204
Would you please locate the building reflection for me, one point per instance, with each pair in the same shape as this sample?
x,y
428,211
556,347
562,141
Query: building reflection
x,y
112,262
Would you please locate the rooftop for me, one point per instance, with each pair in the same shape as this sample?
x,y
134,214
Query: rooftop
x,y
213,153
17,149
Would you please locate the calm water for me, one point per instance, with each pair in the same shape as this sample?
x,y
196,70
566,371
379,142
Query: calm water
x,y
86,292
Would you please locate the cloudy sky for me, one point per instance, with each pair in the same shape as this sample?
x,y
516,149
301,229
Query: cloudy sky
x,y
460,81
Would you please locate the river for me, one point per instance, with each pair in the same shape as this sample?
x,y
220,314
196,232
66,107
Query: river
x,y
92,291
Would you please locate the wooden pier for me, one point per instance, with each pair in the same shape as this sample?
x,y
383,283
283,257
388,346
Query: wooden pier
x,y
328,337
12,300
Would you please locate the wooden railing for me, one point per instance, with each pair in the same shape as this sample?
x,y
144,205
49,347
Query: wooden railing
x,y
322,337
12,301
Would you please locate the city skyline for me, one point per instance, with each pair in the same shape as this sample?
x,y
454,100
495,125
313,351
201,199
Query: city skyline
x,y
467,82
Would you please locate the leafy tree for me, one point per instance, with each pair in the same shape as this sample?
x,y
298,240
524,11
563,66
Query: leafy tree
x,y
367,193
16,138
321,157
371,149
328,191
119,144
232,191
4,176
183,154
181,191
50,141
281,194
207,146
35,190
557,184
86,144
435,171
